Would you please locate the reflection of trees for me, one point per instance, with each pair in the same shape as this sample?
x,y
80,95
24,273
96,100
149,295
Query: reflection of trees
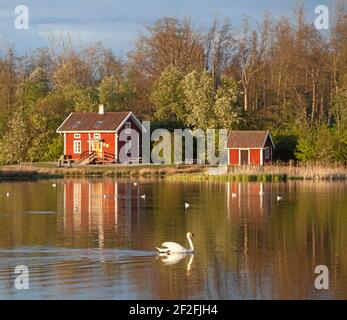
x,y
250,246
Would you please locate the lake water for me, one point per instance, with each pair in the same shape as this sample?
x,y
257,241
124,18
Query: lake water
x,y
96,239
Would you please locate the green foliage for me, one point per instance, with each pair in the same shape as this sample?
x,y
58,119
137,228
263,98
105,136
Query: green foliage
x,y
55,149
115,94
15,143
82,99
167,95
208,107
226,108
198,96
322,144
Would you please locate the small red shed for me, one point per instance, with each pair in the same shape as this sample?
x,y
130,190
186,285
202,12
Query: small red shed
x,y
94,137
250,147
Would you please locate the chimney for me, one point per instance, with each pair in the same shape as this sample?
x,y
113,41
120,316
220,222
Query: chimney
x,y
101,109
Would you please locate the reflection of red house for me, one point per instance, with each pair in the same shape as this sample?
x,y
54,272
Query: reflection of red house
x,y
249,147
99,206
99,137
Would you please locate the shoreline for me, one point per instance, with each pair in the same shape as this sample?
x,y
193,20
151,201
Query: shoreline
x,y
274,173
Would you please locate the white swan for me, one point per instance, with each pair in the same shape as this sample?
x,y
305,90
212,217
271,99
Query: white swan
x,y
233,195
173,247
186,205
143,197
279,198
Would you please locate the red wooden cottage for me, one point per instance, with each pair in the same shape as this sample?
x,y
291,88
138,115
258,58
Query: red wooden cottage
x,y
249,147
94,137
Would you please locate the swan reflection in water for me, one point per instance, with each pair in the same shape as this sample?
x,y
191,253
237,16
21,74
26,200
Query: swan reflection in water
x,y
170,259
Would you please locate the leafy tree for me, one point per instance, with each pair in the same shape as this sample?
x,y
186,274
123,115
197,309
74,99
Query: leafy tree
x,y
116,94
198,98
207,107
55,149
15,143
226,107
46,116
167,95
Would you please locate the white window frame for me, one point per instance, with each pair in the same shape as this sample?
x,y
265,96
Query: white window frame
x,y
267,153
97,135
127,127
77,136
77,147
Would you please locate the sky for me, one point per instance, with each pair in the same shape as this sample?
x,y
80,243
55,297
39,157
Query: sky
x,y
117,23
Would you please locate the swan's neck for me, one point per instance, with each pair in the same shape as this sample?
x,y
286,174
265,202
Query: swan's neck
x,y
190,243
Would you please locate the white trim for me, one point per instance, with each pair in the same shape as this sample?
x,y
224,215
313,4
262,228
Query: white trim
x,y
268,135
249,155
64,144
139,124
115,146
261,157
87,131
244,148
64,122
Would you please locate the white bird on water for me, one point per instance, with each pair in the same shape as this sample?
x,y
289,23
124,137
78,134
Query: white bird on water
x,y
7,194
143,196
234,195
54,185
173,247
186,205
105,196
279,198
135,184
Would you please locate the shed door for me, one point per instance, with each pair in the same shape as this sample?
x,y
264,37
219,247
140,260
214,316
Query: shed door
x,y
244,156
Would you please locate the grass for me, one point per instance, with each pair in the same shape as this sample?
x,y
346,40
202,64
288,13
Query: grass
x,y
240,178
276,172
313,171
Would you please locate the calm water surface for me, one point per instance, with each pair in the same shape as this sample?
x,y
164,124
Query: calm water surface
x,y
96,239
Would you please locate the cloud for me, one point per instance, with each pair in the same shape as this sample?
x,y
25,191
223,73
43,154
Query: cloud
x,y
116,22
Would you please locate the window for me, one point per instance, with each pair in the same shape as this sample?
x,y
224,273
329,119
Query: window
x,y
267,154
76,124
77,146
98,123
127,127
77,136
97,135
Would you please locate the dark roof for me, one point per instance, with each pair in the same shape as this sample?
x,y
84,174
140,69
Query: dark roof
x,y
93,121
247,139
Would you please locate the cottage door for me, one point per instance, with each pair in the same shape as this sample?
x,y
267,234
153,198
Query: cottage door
x,y
244,157
97,147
